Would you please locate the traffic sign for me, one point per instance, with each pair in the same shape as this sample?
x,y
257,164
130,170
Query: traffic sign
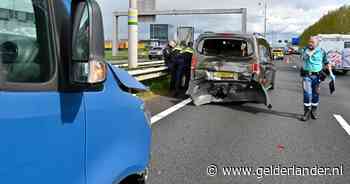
x,y
295,41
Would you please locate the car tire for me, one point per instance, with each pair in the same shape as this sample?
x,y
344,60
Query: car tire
x,y
150,57
344,72
340,72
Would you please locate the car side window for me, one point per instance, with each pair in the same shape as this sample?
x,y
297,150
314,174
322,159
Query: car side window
x,y
24,43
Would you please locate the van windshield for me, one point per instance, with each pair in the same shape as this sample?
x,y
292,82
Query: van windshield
x,y
236,47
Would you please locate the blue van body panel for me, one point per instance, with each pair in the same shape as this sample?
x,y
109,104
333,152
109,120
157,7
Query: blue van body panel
x,y
42,138
90,137
126,79
118,134
77,138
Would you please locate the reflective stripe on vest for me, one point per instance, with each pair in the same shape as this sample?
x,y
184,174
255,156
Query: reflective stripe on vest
x,y
189,50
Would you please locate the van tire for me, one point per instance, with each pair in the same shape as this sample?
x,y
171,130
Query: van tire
x,y
133,179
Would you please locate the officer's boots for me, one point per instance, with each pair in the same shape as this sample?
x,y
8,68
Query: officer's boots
x,y
307,114
314,114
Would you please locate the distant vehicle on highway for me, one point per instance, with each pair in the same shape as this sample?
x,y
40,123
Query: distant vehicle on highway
x,y
337,48
229,67
277,53
156,53
292,51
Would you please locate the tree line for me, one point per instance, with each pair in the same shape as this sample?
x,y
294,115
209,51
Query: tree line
x,y
335,22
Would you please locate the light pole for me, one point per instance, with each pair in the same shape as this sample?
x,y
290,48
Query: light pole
x,y
265,16
133,34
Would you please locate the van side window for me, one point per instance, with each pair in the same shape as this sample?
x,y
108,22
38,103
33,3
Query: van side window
x,y
25,54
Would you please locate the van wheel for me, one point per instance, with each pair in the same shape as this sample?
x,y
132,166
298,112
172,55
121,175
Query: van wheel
x,y
134,179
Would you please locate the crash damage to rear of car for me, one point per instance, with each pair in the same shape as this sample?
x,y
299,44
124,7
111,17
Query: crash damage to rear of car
x,y
219,77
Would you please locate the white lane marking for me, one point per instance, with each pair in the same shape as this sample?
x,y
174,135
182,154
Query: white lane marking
x,y
169,111
343,123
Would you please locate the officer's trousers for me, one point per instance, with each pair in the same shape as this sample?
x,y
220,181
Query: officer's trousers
x,y
179,73
311,85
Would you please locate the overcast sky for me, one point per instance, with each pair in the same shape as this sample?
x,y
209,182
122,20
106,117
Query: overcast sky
x,y
285,17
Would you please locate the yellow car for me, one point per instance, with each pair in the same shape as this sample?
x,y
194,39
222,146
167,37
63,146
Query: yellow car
x,y
277,54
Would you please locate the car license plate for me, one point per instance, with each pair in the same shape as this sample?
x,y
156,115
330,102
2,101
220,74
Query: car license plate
x,y
226,75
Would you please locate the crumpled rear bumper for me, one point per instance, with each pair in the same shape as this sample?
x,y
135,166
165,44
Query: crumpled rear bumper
x,y
204,92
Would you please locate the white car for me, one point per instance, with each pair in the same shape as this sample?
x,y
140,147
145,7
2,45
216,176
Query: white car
x,y
156,53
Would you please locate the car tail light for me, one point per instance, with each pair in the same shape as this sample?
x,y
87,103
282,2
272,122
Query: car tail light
x,y
194,65
194,62
256,68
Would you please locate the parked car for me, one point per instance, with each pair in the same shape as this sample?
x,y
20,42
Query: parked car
x,y
156,53
292,51
66,116
230,67
277,53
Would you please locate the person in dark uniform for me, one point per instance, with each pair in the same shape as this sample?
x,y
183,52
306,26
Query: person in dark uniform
x,y
179,67
169,59
188,54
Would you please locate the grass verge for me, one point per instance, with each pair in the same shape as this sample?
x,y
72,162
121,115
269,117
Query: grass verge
x,y
158,87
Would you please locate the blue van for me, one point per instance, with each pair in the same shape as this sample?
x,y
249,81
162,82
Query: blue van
x,y
66,117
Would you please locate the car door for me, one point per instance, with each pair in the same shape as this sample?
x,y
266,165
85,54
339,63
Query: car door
x,y
42,131
267,64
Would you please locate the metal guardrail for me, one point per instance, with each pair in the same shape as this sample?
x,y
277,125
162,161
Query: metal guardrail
x,y
145,64
147,70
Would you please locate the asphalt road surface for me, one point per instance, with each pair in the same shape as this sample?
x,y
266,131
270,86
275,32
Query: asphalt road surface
x,y
187,141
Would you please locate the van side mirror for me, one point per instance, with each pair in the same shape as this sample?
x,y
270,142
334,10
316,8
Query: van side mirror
x,y
88,65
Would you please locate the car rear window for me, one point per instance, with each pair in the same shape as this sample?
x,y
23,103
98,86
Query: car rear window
x,y
157,48
233,47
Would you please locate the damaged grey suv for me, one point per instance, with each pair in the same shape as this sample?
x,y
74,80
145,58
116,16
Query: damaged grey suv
x,y
229,67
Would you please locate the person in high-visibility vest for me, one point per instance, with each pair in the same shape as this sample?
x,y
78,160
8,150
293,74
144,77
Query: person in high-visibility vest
x,y
188,54
314,59
169,58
